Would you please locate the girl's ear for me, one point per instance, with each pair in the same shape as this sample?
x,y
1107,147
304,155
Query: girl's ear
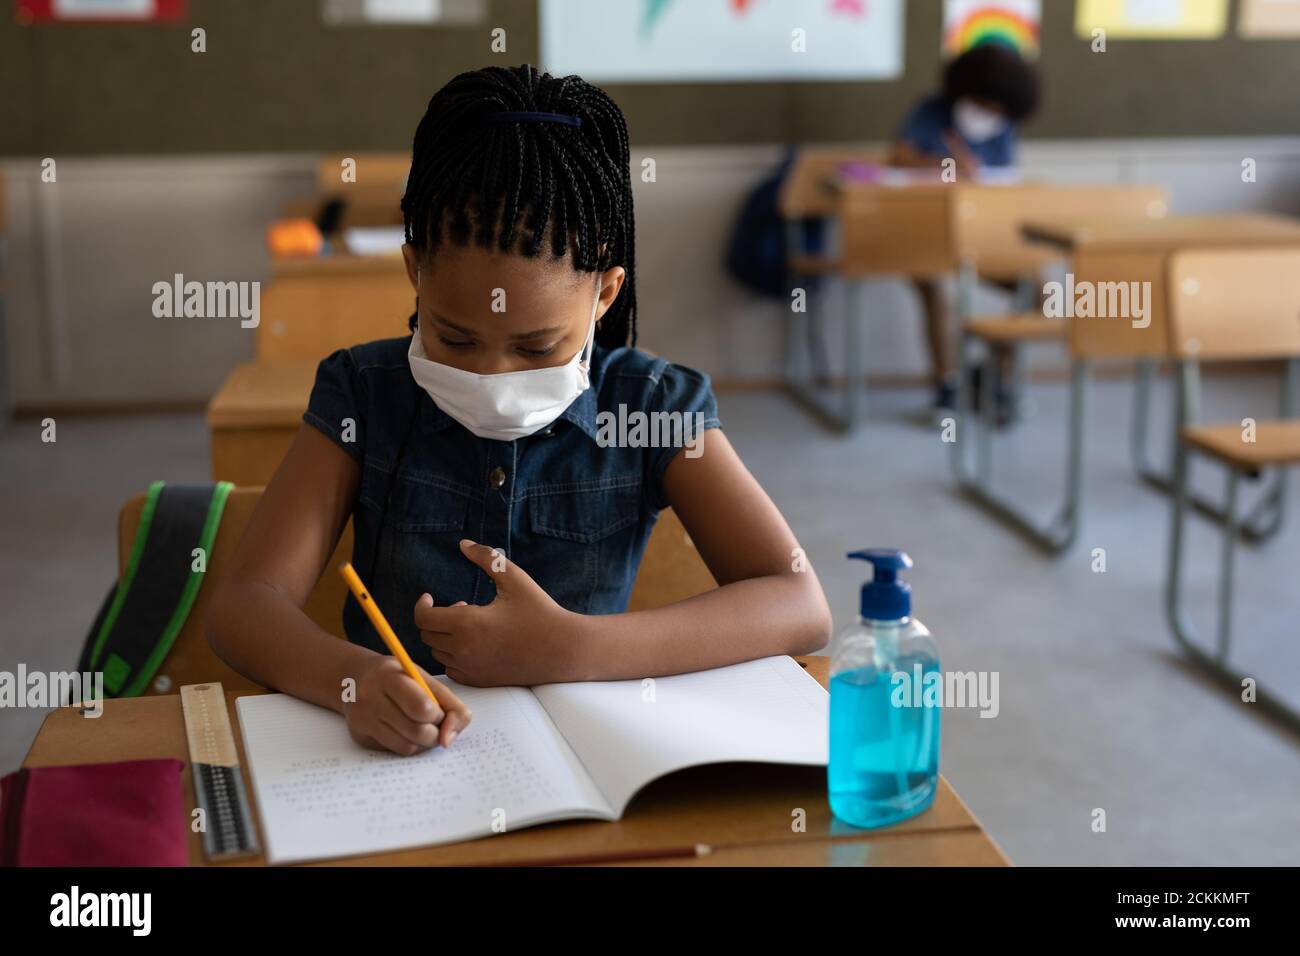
x,y
411,259
613,276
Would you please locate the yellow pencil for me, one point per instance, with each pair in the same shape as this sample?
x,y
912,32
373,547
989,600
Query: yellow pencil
x,y
381,625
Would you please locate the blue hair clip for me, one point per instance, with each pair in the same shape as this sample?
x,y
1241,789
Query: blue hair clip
x,y
524,116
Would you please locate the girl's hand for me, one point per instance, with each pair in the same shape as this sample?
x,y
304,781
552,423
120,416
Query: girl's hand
x,y
968,163
392,712
523,637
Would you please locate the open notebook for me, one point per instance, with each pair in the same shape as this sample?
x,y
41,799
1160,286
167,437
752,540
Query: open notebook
x,y
531,755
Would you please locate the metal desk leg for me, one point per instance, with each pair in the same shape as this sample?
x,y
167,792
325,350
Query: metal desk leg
x,y
1226,571
803,388
1063,529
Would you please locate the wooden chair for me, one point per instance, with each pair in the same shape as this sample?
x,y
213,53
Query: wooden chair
x,y
1230,305
671,570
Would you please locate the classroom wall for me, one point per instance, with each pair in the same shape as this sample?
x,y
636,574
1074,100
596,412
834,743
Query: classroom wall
x,y
85,252
276,79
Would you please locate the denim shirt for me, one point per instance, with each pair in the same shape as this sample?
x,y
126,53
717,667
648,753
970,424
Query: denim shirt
x,y
569,508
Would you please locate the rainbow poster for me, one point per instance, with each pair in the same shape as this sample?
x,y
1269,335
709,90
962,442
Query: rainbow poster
x,y
1014,23
658,41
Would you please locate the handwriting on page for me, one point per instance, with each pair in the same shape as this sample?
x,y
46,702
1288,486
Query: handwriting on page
x,y
381,794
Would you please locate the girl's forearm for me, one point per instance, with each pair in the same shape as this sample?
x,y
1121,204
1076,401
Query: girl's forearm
x,y
267,638
758,617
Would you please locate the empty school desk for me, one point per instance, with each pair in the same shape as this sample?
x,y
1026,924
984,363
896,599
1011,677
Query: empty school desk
x,y
254,416
1102,251
1129,251
369,174
316,304
924,230
742,812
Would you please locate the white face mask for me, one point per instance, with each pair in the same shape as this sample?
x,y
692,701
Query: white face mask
x,y
507,405
977,124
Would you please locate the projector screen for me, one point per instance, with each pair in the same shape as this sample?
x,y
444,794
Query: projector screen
x,y
724,40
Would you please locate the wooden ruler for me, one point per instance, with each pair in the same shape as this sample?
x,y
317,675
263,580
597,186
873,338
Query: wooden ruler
x,y
218,782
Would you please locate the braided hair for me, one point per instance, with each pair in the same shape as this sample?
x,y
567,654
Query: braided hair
x,y
514,186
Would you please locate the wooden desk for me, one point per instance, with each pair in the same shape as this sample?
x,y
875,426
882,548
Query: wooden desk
x,y
376,173
254,416
360,209
1110,251
316,304
1162,235
929,228
947,848
743,811
808,191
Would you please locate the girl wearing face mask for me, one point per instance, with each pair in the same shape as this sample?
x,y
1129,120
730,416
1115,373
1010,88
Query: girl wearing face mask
x,y
988,91
500,509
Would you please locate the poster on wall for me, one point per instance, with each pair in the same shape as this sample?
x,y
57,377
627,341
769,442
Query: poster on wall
x,y
1264,19
1152,19
722,40
104,11
1015,23
403,13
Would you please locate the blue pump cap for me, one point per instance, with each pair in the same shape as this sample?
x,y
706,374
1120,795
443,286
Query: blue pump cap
x,y
885,597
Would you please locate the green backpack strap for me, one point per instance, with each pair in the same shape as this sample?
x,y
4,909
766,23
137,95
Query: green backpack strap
x,y
140,620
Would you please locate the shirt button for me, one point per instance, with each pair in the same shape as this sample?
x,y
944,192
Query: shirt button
x,y
497,478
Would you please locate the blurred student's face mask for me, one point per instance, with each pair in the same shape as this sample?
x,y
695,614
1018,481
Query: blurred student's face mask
x,y
507,405
976,123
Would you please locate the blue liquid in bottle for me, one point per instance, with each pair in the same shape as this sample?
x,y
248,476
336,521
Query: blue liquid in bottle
x,y
884,727
884,758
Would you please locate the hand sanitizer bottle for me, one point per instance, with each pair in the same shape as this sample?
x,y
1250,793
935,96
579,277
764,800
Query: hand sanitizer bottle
x,y
886,690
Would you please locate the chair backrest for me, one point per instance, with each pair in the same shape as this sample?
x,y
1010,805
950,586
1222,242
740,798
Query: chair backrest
x,y
671,571
1234,304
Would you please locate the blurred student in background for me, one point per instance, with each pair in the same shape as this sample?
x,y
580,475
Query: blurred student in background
x,y
988,91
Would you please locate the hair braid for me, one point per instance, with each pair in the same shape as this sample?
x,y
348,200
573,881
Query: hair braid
x,y
514,186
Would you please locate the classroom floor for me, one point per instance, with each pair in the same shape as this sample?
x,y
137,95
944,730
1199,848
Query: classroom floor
x,y
1096,708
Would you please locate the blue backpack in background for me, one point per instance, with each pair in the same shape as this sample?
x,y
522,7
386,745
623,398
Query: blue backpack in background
x,y
756,252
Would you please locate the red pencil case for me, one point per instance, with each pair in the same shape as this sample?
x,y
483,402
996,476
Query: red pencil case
x,y
130,813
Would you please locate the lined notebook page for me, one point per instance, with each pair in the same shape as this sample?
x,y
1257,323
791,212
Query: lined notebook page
x,y
320,794
628,733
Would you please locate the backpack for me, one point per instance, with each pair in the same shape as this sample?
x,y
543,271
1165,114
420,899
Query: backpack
x,y
144,612
756,251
